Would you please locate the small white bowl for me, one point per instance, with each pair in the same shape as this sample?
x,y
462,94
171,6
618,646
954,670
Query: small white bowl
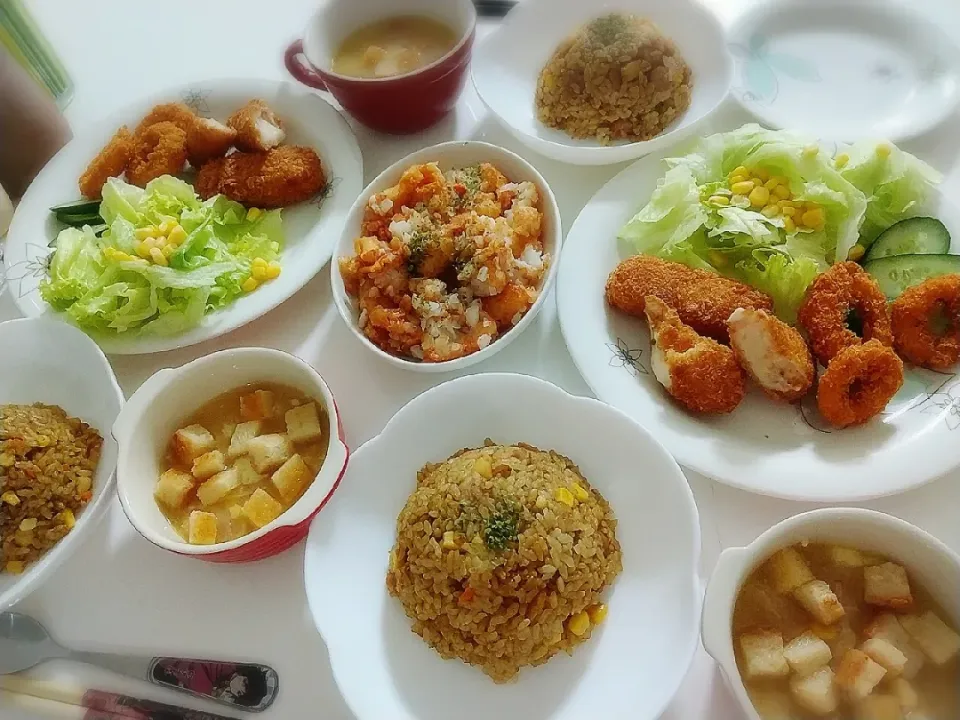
x,y
47,361
451,155
159,407
632,665
507,65
935,566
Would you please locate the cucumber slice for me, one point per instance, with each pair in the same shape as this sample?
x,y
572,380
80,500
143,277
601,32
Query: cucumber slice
x,y
897,273
78,207
77,220
913,236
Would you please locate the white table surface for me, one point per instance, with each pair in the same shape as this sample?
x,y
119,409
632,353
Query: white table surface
x,y
120,593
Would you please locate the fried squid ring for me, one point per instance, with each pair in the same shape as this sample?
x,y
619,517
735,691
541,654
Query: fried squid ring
x,y
926,323
161,149
838,297
858,383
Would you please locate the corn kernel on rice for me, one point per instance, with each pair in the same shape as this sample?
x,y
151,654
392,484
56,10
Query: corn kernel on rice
x,y
492,569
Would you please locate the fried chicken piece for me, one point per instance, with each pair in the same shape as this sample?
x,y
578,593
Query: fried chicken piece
x,y
208,139
258,127
703,300
177,113
700,373
774,354
161,149
110,162
277,178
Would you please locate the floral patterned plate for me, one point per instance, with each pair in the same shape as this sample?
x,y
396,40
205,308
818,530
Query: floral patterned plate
x,y
763,446
312,228
845,69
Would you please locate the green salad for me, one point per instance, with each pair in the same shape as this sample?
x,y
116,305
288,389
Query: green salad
x,y
164,259
773,209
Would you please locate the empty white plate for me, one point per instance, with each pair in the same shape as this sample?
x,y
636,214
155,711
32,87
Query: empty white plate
x,y
845,69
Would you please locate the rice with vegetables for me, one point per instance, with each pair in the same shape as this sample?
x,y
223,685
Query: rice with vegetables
x,y
47,464
501,557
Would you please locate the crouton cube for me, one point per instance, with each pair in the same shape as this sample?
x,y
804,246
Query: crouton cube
x,y
934,637
291,477
858,674
268,452
887,586
842,638
261,509
763,655
173,487
819,600
242,434
191,442
236,512
806,653
208,465
772,705
886,654
303,423
815,692
246,472
879,707
217,487
788,570
905,693
845,557
203,528
887,627
258,405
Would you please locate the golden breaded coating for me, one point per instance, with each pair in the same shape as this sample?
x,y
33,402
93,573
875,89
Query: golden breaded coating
x,y
258,127
110,162
703,300
208,139
278,178
161,149
774,354
858,383
926,323
177,113
698,372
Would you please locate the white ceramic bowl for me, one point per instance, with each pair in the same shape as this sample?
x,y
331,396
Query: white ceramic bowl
x,y
158,408
43,360
933,564
507,65
451,155
633,664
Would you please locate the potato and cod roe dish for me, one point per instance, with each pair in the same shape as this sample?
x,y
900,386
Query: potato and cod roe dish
x,y
393,46
240,461
502,555
447,262
826,631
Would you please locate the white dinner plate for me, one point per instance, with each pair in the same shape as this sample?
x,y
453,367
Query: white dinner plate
x,y
312,228
634,662
763,446
845,69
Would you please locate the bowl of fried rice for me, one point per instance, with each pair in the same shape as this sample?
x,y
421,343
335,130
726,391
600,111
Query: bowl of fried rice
x,y
505,549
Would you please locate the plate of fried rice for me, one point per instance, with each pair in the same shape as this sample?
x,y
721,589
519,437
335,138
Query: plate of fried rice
x,y
535,558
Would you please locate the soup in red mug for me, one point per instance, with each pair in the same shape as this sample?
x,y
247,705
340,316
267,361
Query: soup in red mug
x,y
407,98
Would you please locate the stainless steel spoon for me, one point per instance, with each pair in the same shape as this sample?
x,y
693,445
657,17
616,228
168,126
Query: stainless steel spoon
x,y
25,643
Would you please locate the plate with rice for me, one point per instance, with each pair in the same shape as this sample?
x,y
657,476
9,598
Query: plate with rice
x,y
597,85
507,564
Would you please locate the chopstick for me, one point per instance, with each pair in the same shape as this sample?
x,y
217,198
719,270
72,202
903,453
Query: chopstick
x,y
493,8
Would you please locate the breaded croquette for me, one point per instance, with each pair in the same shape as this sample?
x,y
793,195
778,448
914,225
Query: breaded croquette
x,y
110,162
257,126
177,113
774,354
698,372
283,176
703,300
208,139
161,149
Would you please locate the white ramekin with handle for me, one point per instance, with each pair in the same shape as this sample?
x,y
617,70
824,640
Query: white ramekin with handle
x,y
929,562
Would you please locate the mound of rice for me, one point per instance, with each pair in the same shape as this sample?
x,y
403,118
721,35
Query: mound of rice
x,y
502,553
617,78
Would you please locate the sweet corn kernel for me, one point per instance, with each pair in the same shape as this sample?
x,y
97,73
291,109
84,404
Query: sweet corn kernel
x,y
734,179
259,272
782,192
177,235
580,492
788,210
273,271
743,187
762,174
856,252
68,518
482,467
169,249
166,226
789,225
156,254
759,196
14,567
597,613
10,498
144,233
253,213
884,150
249,285
739,200
448,540
722,200
770,211
740,170
841,160
811,151
259,262
28,524
772,184
579,623
143,250
814,218
563,495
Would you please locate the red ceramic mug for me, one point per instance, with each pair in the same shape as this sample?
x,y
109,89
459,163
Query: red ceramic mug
x,y
401,104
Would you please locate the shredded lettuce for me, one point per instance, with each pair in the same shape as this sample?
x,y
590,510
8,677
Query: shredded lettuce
x,y
103,287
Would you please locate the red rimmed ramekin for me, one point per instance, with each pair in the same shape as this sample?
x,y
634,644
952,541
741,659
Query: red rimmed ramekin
x,y
158,408
401,104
